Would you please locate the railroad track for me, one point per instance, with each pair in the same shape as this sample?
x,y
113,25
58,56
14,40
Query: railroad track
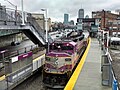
x,y
32,83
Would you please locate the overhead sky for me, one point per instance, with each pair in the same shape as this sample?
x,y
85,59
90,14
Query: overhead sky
x,y
57,8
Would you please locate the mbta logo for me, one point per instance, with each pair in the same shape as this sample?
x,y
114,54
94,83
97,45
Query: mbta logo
x,y
56,63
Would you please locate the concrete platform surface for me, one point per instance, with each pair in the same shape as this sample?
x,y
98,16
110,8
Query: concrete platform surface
x,y
90,75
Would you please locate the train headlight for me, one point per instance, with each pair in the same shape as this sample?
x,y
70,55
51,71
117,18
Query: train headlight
x,y
62,70
56,63
47,69
68,59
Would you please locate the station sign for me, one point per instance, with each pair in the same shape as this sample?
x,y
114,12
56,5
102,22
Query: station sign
x,y
22,56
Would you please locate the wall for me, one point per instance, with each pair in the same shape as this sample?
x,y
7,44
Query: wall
x,y
6,40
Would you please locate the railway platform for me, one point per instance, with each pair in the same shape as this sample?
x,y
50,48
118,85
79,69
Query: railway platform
x,y
87,75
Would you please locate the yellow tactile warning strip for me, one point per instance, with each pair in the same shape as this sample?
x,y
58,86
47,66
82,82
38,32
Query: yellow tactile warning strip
x,y
73,79
2,77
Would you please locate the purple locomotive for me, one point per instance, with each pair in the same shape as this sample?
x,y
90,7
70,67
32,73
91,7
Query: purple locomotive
x,y
61,60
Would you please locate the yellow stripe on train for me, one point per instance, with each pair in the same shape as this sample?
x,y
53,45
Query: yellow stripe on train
x,y
38,58
2,77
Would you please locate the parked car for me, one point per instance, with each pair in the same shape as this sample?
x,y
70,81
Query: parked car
x,y
14,43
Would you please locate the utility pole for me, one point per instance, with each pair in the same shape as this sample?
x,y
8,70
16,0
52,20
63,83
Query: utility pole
x,y
46,27
104,18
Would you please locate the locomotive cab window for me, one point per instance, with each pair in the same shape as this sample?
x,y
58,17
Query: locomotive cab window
x,y
47,59
61,46
67,48
55,46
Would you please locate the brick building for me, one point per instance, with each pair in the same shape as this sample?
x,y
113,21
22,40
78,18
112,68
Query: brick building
x,y
107,19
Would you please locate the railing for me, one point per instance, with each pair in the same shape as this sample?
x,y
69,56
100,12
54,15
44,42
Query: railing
x,y
8,32
108,75
36,26
9,16
4,16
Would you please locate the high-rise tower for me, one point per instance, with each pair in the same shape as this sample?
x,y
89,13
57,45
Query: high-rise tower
x,y
66,18
81,13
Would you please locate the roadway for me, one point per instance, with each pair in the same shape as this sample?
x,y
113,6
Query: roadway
x,y
32,83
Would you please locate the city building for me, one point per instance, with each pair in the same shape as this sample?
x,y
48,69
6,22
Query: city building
x,y
71,22
81,13
66,18
107,19
86,16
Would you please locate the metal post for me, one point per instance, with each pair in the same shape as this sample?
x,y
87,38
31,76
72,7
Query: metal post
x,y
46,26
23,23
104,18
107,41
46,19
4,68
3,60
15,14
47,32
102,42
15,10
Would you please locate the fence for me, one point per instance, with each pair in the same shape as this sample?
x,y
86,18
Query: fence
x,y
11,15
108,76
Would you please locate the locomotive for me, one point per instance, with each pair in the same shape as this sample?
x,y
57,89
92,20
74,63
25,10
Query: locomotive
x,y
61,60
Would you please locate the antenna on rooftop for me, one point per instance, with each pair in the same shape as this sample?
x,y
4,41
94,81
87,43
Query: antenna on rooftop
x,y
81,5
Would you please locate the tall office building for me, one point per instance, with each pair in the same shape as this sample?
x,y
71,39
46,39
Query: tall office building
x,y
66,18
81,13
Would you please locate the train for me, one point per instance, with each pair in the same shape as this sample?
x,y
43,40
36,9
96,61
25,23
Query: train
x,y
62,58
20,67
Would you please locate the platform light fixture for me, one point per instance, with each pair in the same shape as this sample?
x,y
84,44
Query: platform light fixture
x,y
46,24
46,27
23,18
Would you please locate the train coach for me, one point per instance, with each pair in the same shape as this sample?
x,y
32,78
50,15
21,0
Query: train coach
x,y
20,67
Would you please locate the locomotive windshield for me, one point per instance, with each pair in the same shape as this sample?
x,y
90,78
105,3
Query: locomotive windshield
x,y
61,46
67,48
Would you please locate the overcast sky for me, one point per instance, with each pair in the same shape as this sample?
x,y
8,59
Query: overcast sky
x,y
57,8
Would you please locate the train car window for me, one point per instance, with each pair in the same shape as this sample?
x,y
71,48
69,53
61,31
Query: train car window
x,y
51,59
60,46
67,59
56,46
67,48
47,59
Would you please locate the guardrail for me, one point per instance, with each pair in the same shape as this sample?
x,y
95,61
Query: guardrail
x,y
10,15
108,76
